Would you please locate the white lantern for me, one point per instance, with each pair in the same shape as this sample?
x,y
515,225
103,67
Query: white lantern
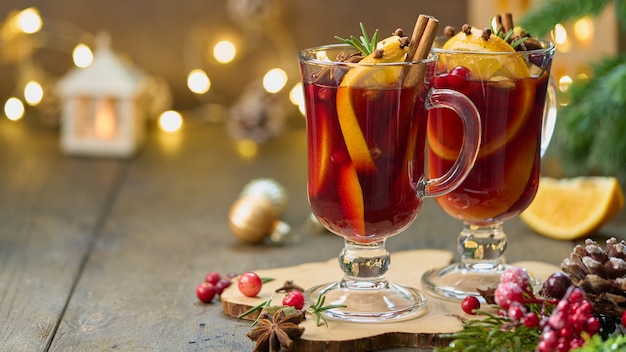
x,y
102,112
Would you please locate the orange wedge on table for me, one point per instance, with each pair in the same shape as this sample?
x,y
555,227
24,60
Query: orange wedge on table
x,y
568,209
492,69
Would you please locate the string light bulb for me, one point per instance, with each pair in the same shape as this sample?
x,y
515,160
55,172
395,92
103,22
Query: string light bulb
x,y
296,96
274,80
198,81
82,56
33,93
14,109
170,121
224,51
29,21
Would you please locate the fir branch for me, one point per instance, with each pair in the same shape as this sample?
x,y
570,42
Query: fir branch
x,y
541,20
493,333
596,344
592,127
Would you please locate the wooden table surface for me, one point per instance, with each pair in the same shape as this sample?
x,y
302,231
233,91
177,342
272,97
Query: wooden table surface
x,y
105,254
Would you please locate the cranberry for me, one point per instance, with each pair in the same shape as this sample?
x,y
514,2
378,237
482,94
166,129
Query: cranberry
x,y
249,284
221,285
516,311
458,77
470,304
507,293
593,326
212,277
516,275
577,295
530,320
294,299
556,285
205,292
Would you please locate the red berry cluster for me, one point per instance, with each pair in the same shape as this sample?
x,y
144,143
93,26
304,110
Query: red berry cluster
x,y
213,285
572,316
514,294
562,319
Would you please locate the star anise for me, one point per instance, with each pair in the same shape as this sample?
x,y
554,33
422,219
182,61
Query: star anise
x,y
276,332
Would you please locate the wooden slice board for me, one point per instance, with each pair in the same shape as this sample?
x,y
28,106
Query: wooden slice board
x,y
407,267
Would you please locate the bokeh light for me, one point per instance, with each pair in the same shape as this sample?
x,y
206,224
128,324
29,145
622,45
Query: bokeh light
x,y
170,121
224,51
33,93
274,80
82,56
296,96
198,81
29,21
14,109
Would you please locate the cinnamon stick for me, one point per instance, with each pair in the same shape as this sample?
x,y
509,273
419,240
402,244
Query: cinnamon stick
x,y
422,39
508,22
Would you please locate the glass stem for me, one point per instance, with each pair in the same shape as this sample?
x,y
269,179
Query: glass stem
x,y
482,247
364,265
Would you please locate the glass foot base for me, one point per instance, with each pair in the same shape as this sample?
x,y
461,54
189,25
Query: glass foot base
x,y
380,303
457,281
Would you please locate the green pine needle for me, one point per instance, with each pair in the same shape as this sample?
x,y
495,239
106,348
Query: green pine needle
x,y
590,130
493,333
541,20
596,344
364,44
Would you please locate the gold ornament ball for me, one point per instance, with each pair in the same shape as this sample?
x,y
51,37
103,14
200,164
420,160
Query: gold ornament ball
x,y
252,218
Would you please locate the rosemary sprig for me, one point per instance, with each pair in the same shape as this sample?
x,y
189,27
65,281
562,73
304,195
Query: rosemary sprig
x,y
493,333
364,44
319,307
259,307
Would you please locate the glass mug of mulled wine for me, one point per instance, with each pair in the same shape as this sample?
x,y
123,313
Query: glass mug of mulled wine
x,y
366,135
517,105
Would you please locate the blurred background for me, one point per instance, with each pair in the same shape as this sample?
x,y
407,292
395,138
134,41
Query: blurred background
x,y
213,56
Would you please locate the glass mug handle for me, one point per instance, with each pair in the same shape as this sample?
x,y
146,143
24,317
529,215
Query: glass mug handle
x,y
463,106
549,117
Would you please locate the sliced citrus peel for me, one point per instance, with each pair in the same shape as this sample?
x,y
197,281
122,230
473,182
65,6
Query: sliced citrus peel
x,y
364,76
491,63
567,209
448,148
351,198
484,67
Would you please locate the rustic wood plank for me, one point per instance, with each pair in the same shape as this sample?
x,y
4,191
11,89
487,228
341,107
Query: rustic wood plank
x,y
50,207
440,316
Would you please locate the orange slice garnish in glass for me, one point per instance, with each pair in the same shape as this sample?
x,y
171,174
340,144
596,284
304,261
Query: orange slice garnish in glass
x,y
365,76
483,67
504,72
351,198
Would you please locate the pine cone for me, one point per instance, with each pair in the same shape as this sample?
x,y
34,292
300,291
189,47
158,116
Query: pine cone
x,y
601,273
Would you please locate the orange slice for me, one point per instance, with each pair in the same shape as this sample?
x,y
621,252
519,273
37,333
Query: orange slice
x,y
503,71
485,67
351,198
445,133
568,209
366,77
